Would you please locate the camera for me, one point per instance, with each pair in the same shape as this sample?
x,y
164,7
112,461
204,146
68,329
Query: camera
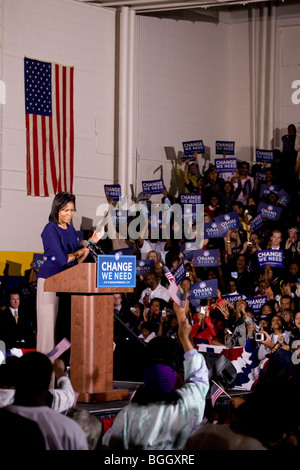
x,y
163,313
133,310
259,337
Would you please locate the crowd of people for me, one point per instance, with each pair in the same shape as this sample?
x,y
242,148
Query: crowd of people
x,y
151,315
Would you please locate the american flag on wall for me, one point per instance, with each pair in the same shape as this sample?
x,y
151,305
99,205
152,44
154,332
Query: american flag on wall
x,y
49,127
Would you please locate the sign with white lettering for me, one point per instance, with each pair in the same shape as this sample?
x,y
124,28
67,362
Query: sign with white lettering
x,y
206,258
153,186
193,146
116,271
112,191
274,258
225,146
225,165
264,155
204,289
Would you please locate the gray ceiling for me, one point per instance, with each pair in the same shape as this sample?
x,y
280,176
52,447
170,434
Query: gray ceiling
x,y
193,10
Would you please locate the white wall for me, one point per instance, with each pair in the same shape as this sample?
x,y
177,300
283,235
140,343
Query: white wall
x,y
69,33
182,90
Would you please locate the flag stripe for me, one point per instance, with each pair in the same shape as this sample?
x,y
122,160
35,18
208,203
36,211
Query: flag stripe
x,y
49,91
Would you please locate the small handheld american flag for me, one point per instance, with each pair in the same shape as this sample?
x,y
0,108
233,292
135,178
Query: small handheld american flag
x,y
168,274
59,349
178,297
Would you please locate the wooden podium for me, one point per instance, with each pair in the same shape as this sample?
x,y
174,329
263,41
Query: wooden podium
x,y
92,327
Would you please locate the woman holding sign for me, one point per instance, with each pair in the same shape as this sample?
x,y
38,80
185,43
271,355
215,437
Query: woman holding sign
x,y
61,251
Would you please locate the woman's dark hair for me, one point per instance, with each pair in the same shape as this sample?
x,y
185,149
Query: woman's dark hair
x,y
59,202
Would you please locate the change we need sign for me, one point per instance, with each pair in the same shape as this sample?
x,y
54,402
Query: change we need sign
x,y
116,271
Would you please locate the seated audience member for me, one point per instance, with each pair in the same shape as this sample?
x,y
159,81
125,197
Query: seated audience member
x,y
17,326
90,424
33,375
60,398
243,432
139,425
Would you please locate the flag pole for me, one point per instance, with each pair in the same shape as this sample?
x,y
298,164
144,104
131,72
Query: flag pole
x,y
221,388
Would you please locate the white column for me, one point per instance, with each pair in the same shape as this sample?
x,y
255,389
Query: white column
x,y
123,77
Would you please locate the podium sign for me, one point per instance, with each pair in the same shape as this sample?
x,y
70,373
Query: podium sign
x,y
116,271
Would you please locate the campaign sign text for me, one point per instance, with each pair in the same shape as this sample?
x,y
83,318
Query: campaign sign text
x,y
284,198
193,146
266,189
116,271
180,273
153,186
190,198
274,258
256,302
269,211
144,266
112,191
204,289
257,222
264,155
233,298
225,165
224,146
206,258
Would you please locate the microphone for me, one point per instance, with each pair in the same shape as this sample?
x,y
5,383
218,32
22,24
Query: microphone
x,y
94,249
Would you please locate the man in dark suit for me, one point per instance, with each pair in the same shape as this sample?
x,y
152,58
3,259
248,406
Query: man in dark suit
x,y
16,324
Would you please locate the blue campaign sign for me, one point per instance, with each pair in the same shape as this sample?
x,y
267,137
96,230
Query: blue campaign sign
x,y
206,258
266,189
269,211
222,223
112,191
225,165
143,266
190,198
204,289
193,146
256,302
180,273
274,258
264,155
284,198
257,222
38,260
233,298
153,186
121,251
116,271
225,146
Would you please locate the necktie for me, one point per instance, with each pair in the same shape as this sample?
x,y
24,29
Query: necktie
x,y
16,316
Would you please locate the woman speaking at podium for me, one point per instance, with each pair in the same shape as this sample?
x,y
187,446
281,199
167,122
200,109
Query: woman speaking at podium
x,y
61,251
